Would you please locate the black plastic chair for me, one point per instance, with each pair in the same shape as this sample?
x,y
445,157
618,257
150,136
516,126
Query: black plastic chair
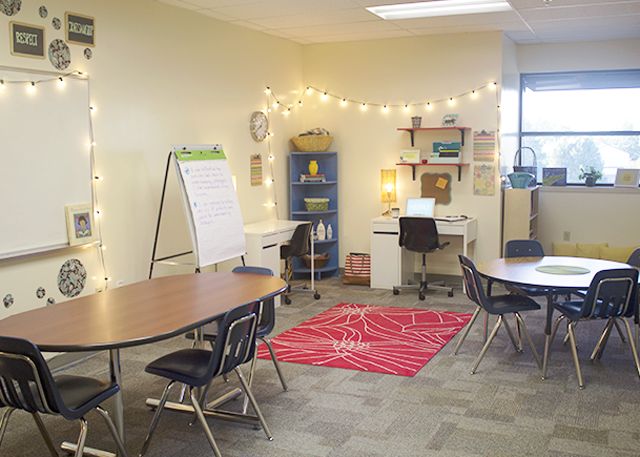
x,y
612,297
234,345
297,247
26,383
420,234
266,323
498,305
525,248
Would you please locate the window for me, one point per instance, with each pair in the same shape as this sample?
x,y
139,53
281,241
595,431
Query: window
x,y
581,119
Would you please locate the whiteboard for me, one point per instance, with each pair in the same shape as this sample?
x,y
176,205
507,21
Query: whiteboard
x,y
45,160
211,203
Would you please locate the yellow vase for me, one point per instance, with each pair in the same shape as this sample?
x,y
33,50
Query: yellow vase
x,y
313,167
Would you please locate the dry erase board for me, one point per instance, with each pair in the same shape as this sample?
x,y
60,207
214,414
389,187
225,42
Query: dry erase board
x,y
211,203
45,160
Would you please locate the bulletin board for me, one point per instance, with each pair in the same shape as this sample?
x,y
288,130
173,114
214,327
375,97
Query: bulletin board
x,y
45,157
438,186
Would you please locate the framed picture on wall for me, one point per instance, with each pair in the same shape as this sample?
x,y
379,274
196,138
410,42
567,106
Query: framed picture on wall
x,y
81,29
627,177
27,40
80,224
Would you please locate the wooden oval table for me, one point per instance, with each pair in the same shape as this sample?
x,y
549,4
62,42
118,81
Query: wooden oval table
x,y
523,271
137,314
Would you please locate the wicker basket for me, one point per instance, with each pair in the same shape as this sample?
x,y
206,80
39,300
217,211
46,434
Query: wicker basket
x,y
312,143
321,260
316,204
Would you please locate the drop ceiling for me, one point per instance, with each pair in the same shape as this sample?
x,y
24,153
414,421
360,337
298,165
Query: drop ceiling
x,y
322,21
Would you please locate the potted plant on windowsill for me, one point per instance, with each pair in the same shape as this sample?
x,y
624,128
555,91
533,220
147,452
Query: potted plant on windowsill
x,y
590,176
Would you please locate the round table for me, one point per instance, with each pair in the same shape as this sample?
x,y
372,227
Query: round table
x,y
522,271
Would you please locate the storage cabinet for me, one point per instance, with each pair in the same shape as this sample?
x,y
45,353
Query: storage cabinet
x,y
298,191
520,216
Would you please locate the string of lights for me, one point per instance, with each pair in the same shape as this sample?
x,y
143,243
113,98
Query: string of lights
x,y
270,180
59,79
325,95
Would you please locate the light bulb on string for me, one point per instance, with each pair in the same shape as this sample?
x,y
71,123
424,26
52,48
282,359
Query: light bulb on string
x,y
93,109
275,105
363,107
267,91
428,106
473,95
271,157
3,86
286,112
385,109
268,181
406,108
493,86
31,88
451,101
324,96
309,90
300,103
61,83
343,102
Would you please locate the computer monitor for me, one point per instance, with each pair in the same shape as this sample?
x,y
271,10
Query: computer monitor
x,y
421,207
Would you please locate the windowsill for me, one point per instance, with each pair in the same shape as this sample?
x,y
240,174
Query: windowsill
x,y
596,189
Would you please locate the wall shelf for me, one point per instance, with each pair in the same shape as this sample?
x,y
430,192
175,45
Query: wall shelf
x,y
412,131
427,164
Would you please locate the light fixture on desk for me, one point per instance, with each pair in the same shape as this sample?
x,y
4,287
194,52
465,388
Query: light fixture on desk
x,y
387,189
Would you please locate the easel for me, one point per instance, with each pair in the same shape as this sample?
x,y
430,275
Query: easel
x,y
166,260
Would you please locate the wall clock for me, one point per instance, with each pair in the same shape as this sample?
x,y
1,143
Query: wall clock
x,y
259,126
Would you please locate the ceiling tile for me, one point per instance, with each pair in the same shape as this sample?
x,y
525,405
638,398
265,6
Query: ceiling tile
x,y
467,19
178,3
320,18
218,3
360,36
216,15
342,29
249,25
592,11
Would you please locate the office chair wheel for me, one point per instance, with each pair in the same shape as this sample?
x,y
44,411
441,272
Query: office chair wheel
x,y
316,296
287,300
450,293
421,296
396,291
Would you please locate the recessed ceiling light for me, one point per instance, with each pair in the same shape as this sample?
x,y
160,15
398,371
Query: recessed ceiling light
x,y
438,8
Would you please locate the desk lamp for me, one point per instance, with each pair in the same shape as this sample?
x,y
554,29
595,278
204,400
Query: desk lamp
x,y
388,189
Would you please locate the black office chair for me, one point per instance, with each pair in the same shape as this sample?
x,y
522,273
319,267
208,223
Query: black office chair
x,y
26,383
612,297
233,346
297,247
498,305
420,234
266,323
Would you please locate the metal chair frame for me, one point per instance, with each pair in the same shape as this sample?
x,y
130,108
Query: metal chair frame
x,y
475,294
13,398
198,397
611,322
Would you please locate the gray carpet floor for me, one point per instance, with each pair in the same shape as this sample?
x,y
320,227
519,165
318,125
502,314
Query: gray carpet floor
x,y
503,410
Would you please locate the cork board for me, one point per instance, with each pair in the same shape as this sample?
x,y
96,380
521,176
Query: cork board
x,y
436,185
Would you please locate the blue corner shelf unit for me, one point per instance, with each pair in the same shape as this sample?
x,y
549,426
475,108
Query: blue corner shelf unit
x,y
298,191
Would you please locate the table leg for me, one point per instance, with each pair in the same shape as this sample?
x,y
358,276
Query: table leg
x,y
547,335
118,409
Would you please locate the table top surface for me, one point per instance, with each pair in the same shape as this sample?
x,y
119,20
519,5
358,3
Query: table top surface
x,y
139,313
395,220
270,226
522,271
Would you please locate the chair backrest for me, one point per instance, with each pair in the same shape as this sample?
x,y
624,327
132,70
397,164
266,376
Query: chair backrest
x,y
634,258
25,379
299,244
267,319
235,342
523,248
612,293
473,283
419,234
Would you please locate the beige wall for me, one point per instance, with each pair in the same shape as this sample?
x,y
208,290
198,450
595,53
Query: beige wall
x,y
589,215
403,70
160,76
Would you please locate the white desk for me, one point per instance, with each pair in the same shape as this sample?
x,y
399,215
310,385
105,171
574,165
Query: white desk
x,y
391,265
264,239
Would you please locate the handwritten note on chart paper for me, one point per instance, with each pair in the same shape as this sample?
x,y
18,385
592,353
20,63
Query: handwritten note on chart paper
x,y
213,209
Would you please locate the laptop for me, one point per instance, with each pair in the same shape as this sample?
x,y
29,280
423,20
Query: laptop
x,y
421,207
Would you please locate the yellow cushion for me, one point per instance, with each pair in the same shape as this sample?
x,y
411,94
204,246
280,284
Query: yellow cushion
x,y
564,249
589,250
617,254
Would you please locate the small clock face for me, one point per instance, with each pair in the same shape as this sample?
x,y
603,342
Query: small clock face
x,y
259,125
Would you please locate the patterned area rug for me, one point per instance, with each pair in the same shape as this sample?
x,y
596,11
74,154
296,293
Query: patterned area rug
x,y
381,339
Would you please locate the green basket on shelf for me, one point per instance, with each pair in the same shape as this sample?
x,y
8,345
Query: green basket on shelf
x,y
316,204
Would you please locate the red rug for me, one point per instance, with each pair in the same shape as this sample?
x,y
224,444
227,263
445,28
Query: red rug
x,y
381,339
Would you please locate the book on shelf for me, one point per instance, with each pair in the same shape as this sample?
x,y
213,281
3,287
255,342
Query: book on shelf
x,y
320,177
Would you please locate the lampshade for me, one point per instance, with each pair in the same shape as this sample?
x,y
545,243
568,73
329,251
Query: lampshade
x,y
388,186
